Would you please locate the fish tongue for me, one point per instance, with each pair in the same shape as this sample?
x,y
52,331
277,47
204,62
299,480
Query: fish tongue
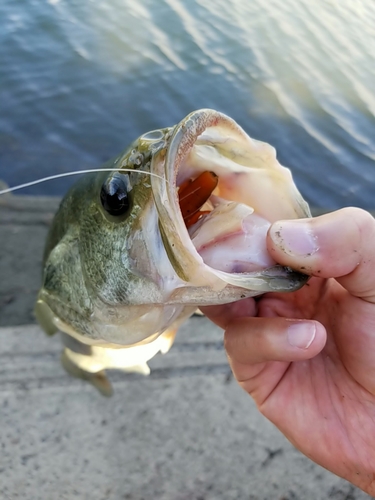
x,y
232,238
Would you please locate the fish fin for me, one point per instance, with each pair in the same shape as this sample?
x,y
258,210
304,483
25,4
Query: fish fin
x,y
142,368
45,317
198,312
167,339
98,379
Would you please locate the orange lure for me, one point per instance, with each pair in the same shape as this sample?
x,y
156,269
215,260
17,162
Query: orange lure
x,y
194,193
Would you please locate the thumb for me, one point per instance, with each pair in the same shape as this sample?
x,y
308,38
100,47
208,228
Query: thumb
x,y
338,245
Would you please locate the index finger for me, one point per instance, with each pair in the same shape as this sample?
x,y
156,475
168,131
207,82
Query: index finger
x,y
224,314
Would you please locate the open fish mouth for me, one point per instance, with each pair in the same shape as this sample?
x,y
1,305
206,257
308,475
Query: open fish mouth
x,y
217,195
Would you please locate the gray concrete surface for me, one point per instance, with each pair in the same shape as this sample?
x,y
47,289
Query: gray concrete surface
x,y
186,432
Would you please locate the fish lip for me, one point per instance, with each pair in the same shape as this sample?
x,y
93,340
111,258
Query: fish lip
x,y
167,164
284,277
186,133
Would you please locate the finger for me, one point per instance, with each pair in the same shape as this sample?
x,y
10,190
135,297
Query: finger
x,y
251,343
255,340
226,313
338,245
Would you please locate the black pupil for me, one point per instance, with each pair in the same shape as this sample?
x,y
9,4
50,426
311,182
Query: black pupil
x,y
114,195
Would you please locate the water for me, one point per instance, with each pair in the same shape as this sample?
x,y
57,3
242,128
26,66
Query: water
x,y
80,80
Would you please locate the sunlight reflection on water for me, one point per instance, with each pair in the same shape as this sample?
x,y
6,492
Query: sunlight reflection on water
x,y
79,82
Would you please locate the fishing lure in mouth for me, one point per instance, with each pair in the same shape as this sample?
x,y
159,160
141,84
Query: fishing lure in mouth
x,y
176,221
193,194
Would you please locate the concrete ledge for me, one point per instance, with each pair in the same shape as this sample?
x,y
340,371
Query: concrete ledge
x,y
30,359
185,432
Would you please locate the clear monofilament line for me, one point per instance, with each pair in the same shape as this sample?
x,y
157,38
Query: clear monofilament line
x,y
78,172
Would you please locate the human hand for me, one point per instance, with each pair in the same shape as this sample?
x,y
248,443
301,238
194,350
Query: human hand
x,y
308,358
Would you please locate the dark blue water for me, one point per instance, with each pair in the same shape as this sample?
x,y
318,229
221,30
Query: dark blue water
x,y
80,79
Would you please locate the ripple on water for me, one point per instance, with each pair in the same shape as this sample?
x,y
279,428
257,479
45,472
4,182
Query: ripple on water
x,y
80,80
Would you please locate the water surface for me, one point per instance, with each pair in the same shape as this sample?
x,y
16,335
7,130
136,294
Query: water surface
x,y
80,80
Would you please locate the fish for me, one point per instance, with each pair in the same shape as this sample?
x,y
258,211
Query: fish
x,y
175,222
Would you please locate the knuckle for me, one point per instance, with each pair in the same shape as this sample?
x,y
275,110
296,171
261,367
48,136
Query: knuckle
x,y
363,219
228,342
354,226
364,225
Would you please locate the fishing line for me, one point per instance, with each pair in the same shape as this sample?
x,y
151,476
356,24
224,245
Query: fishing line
x,y
78,172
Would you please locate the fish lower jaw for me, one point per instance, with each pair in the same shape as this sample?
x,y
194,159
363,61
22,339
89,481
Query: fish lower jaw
x,y
234,240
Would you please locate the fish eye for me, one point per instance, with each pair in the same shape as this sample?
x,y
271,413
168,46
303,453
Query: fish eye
x,y
114,194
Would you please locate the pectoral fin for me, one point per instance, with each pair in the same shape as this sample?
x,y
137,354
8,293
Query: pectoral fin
x,y
45,317
99,379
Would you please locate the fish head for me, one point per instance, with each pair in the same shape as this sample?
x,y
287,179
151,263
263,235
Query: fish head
x,y
123,261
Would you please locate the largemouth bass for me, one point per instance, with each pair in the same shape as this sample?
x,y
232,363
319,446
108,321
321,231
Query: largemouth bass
x,y
179,222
